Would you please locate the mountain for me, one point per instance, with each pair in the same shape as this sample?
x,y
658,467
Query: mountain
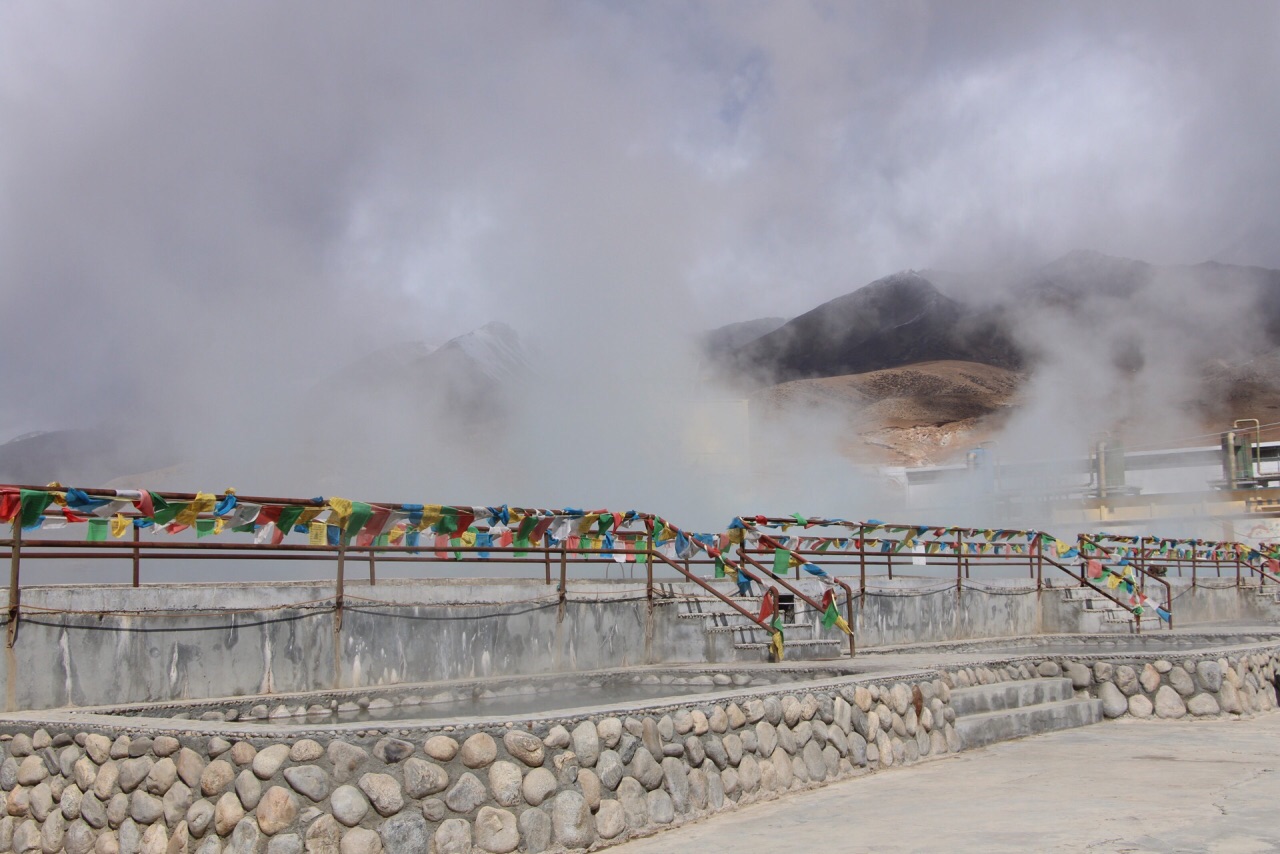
x,y
918,414
899,320
463,380
1190,345
726,338
92,455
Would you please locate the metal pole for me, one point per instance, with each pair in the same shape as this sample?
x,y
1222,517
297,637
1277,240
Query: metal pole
x,y
564,572
137,558
341,586
848,610
373,573
862,562
15,591
546,557
648,567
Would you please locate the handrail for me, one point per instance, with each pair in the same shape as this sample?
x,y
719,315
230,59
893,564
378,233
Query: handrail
x,y
847,589
1083,579
654,553
1168,588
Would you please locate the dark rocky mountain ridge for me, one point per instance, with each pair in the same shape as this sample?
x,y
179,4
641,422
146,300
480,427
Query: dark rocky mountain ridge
x,y
898,320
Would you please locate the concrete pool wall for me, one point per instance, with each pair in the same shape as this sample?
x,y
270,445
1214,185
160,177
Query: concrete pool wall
x,y
79,646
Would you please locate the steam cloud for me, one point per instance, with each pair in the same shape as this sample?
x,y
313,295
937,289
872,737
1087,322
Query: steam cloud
x,y
208,210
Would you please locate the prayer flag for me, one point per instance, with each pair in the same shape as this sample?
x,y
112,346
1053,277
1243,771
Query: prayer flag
x,y
97,530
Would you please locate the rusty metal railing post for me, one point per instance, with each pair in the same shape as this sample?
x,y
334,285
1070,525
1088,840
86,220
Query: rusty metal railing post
x,y
564,574
648,568
546,558
848,610
15,589
340,591
862,562
137,557
373,572
1193,564
1039,565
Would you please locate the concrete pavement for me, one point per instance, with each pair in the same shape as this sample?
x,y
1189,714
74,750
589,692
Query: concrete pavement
x,y
1131,786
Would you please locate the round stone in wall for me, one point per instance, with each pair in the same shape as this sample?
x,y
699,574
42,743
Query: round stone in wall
x,y
524,746
610,819
348,805
495,830
479,750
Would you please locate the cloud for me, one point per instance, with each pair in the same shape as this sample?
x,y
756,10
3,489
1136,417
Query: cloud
x,y
204,210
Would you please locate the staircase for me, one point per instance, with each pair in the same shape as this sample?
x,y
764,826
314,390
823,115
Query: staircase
x,y
1104,616
986,714
804,637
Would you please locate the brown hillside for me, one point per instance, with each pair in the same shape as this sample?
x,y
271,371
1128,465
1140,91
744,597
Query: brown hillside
x,y
918,414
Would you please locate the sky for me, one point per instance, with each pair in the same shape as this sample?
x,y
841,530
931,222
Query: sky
x,y
207,207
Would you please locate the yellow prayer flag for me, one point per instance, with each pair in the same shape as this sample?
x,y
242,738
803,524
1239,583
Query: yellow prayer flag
x,y
308,515
119,526
341,510
316,534
775,646
203,503
218,525
431,513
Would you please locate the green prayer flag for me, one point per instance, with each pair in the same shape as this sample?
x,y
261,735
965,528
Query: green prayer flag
x,y
448,521
719,567
164,511
642,556
830,615
781,561
382,540
204,527
288,518
521,541
160,510
360,513
97,530
34,502
246,528
800,519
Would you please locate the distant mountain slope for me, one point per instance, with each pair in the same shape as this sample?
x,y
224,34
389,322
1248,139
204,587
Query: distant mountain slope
x,y
923,413
85,456
899,320
726,338
462,380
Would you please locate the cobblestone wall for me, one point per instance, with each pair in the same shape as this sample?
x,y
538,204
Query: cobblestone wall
x,y
1195,685
562,783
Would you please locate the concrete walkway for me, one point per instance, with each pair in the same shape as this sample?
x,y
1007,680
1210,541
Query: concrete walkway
x,y
1131,786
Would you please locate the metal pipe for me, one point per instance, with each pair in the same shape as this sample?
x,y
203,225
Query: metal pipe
x,y
15,589
340,591
137,559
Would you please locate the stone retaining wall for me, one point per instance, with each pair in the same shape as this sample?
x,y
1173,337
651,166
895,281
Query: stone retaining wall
x,y
1197,685
556,783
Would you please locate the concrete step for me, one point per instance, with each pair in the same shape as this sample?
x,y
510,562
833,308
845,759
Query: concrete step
x,y
797,650
989,727
751,627
980,699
